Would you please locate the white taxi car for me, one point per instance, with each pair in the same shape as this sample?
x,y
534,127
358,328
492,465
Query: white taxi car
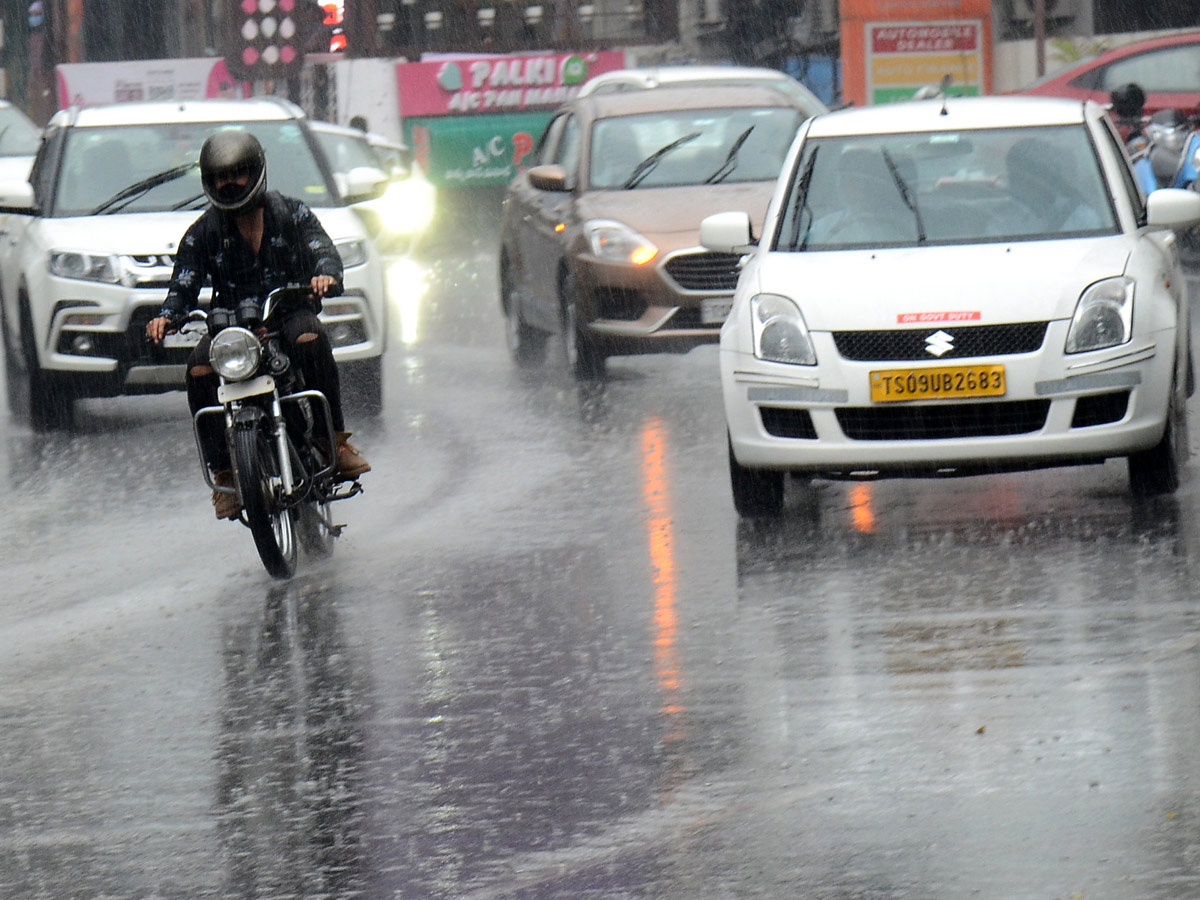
x,y
956,286
88,243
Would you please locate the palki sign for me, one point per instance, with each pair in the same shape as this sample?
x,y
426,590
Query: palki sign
x,y
493,84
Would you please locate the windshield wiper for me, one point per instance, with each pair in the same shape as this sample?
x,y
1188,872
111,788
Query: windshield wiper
x,y
906,193
646,166
802,200
730,160
138,188
183,204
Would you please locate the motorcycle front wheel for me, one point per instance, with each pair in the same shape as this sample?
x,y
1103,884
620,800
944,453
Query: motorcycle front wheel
x,y
315,534
273,527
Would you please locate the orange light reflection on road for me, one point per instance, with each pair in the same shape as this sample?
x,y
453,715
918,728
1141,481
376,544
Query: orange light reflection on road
x,y
660,529
861,512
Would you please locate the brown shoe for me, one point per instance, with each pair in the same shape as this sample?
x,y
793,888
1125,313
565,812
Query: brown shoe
x,y
350,463
227,506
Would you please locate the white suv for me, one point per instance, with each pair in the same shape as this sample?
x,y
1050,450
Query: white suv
x,y
87,246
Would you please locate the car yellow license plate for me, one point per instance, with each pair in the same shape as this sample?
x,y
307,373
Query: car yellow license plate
x,y
943,383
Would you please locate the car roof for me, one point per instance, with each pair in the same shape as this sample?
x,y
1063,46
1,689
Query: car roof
x,y
152,112
961,113
602,106
655,76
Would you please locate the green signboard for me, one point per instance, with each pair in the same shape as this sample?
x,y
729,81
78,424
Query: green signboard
x,y
475,151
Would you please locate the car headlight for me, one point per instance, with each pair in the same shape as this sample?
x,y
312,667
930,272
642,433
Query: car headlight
x,y
84,266
353,253
616,242
235,353
1103,316
407,206
780,334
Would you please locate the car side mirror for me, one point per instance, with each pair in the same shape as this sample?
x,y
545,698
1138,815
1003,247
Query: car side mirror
x,y
1172,208
548,178
365,182
730,232
17,197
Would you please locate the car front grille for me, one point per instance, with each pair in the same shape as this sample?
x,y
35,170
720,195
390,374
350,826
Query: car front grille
x,y
704,271
943,421
912,343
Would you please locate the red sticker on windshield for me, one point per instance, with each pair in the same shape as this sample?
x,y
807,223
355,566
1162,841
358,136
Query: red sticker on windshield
x,y
927,317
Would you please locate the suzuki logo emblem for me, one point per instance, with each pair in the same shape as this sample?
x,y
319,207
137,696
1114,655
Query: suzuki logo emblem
x,y
939,343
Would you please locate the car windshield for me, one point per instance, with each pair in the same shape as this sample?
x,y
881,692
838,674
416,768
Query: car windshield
x,y
690,147
345,151
18,135
100,163
946,188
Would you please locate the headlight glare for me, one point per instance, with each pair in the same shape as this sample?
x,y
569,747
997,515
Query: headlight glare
x,y
614,241
234,354
84,266
780,334
1103,316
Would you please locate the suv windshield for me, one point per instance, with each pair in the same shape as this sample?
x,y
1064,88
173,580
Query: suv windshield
x,y
946,188
99,163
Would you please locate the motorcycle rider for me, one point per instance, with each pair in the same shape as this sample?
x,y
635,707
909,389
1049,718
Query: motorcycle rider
x,y
249,241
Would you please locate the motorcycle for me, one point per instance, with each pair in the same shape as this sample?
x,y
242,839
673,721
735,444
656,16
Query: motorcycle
x,y
280,435
1174,141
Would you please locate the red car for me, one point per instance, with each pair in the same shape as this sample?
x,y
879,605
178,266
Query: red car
x,y
1166,68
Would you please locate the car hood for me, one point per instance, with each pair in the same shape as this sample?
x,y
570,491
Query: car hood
x,y
160,232
15,168
671,216
980,284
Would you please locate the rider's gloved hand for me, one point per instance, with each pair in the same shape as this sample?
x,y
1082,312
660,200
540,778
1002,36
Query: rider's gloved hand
x,y
156,328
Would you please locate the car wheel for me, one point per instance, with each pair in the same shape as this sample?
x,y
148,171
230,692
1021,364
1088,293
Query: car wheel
x,y
1157,471
44,399
526,345
757,493
585,360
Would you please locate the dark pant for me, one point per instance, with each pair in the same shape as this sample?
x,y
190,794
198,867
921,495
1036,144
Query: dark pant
x,y
314,358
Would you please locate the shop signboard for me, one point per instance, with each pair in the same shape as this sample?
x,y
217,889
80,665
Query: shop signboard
x,y
473,121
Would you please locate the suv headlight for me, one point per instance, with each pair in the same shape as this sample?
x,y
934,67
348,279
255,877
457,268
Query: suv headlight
x,y
780,334
84,266
616,242
1103,316
235,353
353,253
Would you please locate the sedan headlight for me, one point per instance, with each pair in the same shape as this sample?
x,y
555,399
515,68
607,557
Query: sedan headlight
x,y
353,253
616,242
780,334
84,266
235,353
1103,316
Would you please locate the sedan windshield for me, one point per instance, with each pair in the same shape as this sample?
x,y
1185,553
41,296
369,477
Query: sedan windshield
x,y
690,147
99,164
946,188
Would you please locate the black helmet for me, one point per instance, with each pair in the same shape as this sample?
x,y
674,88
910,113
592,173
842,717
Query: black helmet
x,y
1128,101
233,153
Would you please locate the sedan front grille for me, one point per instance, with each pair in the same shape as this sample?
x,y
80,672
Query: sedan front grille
x,y
704,271
943,421
911,343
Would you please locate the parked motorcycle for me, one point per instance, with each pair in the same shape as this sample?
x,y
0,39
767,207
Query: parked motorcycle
x,y
1174,142
280,434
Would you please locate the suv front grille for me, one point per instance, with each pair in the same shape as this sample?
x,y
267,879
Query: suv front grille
x,y
704,271
969,341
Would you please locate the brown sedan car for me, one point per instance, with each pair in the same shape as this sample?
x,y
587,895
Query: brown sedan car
x,y
600,239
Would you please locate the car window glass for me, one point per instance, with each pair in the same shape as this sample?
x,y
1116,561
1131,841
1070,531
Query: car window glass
x,y
1133,188
946,187
18,135
691,147
99,162
567,154
345,151
1170,69
549,142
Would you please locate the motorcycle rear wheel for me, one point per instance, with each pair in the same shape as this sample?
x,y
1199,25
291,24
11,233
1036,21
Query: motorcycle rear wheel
x,y
273,527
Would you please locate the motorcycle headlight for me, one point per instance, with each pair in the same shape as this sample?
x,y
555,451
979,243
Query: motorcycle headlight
x,y
353,253
234,354
1103,316
780,334
617,242
84,266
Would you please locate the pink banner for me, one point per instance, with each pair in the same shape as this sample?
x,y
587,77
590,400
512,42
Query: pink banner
x,y
496,84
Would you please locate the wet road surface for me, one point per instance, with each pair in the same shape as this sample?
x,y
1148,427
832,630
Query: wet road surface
x,y
547,661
